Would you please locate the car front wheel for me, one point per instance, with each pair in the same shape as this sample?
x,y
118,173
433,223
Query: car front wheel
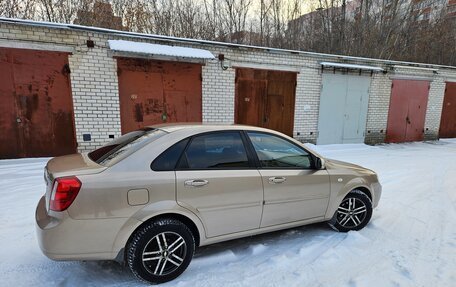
x,y
160,251
353,213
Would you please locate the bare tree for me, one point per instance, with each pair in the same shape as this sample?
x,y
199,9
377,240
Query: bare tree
x,y
387,29
233,17
17,8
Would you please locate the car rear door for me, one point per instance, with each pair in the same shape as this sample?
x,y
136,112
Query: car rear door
x,y
217,180
293,189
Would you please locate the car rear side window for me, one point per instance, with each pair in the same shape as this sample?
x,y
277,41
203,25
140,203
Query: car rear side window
x,y
167,160
124,145
221,150
276,152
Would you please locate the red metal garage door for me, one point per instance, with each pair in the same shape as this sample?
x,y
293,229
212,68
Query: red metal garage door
x,y
266,99
36,110
448,119
154,92
407,110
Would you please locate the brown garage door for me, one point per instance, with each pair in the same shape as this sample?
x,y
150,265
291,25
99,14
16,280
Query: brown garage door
x,y
154,92
448,119
407,111
36,110
266,99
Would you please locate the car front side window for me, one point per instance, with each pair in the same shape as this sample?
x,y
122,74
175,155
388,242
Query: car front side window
x,y
221,150
276,152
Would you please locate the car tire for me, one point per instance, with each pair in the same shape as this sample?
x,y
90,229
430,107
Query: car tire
x,y
160,251
353,213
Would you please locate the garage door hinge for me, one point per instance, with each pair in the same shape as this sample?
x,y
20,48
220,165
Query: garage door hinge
x,y
264,202
66,69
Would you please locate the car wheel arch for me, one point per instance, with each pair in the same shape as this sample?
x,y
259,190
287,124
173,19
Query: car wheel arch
x,y
361,187
180,217
364,190
140,219
185,219
355,184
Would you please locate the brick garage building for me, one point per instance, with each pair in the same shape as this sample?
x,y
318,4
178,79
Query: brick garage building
x,y
363,100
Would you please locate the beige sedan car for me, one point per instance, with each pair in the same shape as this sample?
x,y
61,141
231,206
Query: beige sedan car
x,y
150,197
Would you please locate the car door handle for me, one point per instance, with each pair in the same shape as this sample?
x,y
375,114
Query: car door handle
x,y
196,182
277,179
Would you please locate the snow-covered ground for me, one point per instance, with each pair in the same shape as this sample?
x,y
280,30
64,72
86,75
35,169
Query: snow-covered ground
x,y
411,240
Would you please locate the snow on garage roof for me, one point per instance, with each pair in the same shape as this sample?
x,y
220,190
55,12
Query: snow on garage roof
x,y
350,66
161,50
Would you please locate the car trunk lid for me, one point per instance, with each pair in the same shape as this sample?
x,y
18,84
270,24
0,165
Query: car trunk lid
x,y
73,164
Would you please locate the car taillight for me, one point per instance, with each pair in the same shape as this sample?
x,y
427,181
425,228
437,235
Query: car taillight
x,y
64,192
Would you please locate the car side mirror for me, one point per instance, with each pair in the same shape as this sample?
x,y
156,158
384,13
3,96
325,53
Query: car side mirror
x,y
319,163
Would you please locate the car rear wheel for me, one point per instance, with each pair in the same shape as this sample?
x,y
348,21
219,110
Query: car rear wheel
x,y
353,213
160,251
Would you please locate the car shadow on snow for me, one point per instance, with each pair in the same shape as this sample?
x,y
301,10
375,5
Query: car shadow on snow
x,y
272,240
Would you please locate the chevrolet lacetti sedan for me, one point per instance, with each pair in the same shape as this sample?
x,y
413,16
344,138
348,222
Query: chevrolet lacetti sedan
x,y
150,197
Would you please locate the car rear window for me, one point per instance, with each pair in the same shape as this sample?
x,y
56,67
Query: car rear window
x,y
124,145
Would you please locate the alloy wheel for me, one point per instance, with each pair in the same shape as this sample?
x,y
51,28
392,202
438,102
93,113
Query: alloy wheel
x,y
164,253
351,212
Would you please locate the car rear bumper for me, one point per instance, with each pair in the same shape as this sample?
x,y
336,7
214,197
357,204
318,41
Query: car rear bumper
x,y
62,238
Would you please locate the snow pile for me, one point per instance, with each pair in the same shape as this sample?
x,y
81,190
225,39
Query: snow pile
x,y
161,50
411,240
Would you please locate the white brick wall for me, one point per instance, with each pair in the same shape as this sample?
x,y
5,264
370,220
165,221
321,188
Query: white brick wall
x,y
95,94
95,87
434,108
379,96
307,103
218,93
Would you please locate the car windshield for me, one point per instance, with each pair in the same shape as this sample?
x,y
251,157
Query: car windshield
x,y
124,145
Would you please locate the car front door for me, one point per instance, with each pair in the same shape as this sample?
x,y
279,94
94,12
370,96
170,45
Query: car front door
x,y
218,181
293,189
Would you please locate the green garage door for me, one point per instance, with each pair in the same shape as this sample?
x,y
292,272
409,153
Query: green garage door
x,y
343,109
